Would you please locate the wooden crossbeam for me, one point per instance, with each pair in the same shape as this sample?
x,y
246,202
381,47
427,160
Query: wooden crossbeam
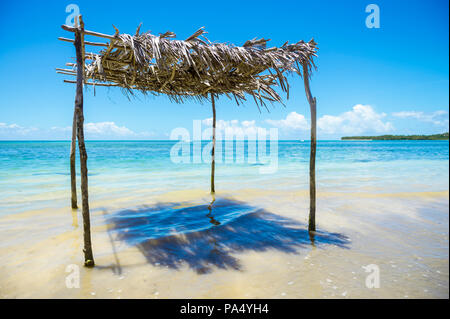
x,y
90,83
95,34
67,73
66,70
96,44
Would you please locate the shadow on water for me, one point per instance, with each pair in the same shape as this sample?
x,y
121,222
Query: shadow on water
x,y
208,236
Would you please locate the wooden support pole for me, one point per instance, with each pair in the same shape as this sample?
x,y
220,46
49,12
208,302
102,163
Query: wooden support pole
x,y
73,176
88,256
312,157
213,151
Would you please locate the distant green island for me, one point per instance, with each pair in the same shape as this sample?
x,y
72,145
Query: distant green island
x,y
443,136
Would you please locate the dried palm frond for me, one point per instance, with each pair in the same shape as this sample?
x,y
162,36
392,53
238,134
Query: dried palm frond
x,y
196,68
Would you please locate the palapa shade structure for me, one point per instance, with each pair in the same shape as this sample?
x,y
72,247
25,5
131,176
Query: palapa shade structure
x,y
194,68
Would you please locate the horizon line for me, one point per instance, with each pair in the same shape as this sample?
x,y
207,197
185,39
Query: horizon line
x,y
178,140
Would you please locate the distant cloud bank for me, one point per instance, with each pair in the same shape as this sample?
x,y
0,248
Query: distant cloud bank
x,y
293,121
99,130
16,130
439,118
360,119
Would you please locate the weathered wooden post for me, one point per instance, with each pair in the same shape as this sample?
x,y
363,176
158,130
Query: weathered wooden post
x,y
79,47
213,151
312,156
73,176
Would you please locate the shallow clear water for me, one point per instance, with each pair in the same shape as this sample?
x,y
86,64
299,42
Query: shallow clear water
x,y
29,169
379,202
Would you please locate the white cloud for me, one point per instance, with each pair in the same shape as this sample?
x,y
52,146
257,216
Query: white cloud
x,y
361,119
439,118
293,121
249,129
61,129
107,128
14,129
99,130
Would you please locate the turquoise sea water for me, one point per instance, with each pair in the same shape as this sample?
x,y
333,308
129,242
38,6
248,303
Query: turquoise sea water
x,y
152,217
29,170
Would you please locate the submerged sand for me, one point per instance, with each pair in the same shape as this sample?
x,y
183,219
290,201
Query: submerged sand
x,y
404,234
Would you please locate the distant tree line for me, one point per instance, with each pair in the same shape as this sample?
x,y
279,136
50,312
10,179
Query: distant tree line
x,y
443,136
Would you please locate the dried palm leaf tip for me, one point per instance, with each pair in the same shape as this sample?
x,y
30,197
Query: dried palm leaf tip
x,y
195,68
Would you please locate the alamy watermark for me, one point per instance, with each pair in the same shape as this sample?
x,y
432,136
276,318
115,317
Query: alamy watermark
x,y
372,279
373,19
72,18
73,278
231,142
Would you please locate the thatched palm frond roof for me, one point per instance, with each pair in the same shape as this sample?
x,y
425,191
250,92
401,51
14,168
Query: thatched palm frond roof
x,y
196,67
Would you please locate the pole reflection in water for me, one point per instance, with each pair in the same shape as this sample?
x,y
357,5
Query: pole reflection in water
x,y
209,215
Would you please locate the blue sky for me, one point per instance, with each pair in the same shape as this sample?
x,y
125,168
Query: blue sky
x,y
391,80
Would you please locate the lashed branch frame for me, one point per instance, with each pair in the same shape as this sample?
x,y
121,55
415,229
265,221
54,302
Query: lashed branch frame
x,y
193,69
